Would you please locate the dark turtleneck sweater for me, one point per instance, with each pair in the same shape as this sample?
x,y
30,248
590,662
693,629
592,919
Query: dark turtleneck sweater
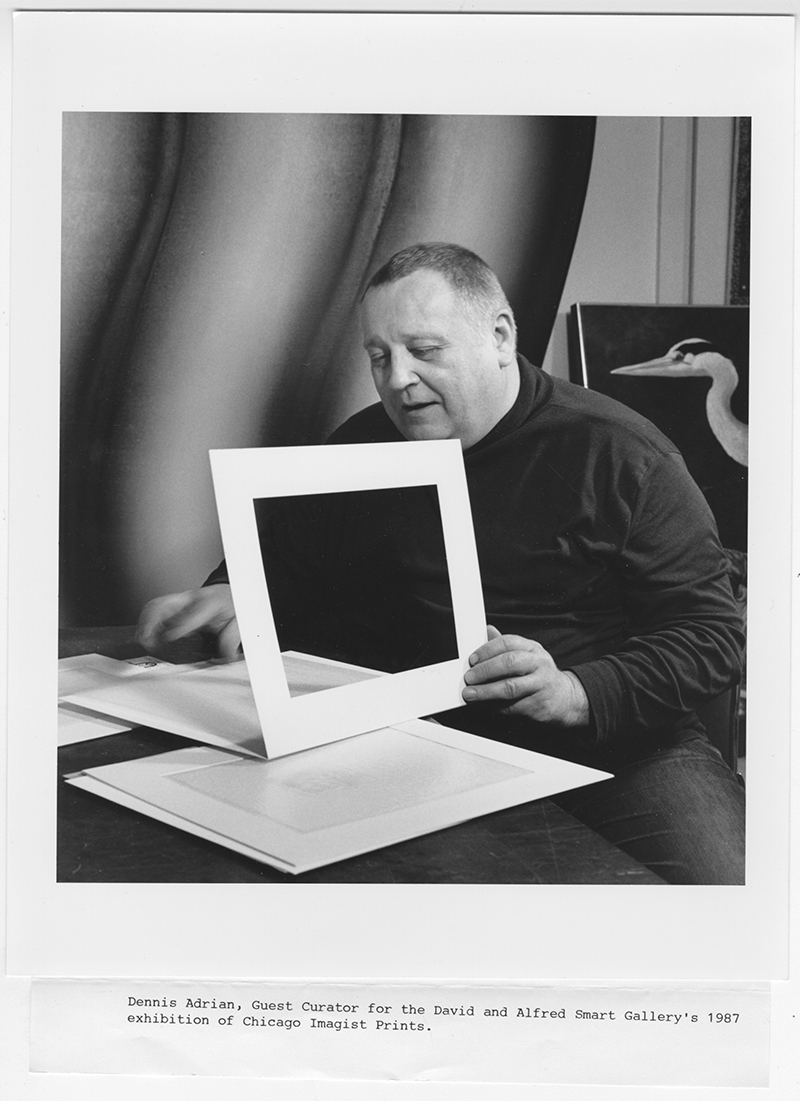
x,y
592,539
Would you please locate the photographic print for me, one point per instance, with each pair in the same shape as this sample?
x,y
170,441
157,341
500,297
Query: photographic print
x,y
210,265
214,270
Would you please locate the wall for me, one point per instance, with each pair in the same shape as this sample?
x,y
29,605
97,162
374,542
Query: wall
x,y
656,220
211,265
211,269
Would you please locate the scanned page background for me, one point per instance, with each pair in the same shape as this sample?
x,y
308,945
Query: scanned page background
x,y
584,933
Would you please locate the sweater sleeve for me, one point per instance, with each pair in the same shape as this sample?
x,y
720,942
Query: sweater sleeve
x,y
219,576
370,425
686,635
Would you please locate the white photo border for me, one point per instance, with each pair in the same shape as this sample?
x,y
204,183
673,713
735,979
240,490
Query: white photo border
x,y
603,65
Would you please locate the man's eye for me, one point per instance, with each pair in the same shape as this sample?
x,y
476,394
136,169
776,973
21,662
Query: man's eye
x,y
423,353
377,360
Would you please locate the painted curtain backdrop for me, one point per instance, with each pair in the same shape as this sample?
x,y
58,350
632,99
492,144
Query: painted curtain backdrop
x,y
211,269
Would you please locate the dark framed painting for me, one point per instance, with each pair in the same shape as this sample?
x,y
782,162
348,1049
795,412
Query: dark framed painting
x,y
687,371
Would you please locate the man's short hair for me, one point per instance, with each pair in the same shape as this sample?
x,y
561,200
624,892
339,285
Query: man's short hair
x,y
468,275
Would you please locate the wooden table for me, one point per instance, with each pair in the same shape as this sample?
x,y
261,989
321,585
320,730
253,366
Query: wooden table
x,y
99,841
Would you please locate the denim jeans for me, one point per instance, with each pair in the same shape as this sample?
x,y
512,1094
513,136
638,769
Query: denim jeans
x,y
679,811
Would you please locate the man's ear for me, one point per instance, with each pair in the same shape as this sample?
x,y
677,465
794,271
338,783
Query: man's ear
x,y
505,338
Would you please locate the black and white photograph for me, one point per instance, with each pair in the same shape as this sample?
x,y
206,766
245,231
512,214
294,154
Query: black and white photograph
x,y
244,281
400,511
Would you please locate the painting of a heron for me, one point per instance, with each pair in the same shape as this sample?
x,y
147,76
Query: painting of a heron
x,y
685,368
698,358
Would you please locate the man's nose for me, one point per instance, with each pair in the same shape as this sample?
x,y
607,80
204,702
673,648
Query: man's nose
x,y
402,373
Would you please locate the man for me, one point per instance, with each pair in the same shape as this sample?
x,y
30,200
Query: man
x,y
611,614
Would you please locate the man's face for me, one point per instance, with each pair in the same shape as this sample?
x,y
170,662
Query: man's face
x,y
438,373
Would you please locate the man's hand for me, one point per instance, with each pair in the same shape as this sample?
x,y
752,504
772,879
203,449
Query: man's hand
x,y
520,674
176,615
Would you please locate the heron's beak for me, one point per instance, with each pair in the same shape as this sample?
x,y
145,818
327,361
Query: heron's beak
x,y
664,365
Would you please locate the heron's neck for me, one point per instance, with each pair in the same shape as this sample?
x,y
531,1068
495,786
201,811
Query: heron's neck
x,y
731,434
724,381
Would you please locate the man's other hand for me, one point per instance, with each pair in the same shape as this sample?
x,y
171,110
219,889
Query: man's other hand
x,y
176,615
521,676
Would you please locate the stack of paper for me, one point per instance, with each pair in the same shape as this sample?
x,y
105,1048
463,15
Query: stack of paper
x,y
79,723
351,767
312,808
209,701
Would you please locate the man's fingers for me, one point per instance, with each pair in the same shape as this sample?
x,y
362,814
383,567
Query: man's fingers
x,y
490,649
229,640
507,691
155,616
198,614
521,677
501,644
176,615
508,663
